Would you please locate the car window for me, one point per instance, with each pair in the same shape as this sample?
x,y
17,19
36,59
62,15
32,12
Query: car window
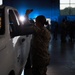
x,y
17,17
13,25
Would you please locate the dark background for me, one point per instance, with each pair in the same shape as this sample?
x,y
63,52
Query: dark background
x,y
49,8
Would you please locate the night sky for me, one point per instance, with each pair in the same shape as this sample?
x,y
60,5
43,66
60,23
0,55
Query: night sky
x,y
49,8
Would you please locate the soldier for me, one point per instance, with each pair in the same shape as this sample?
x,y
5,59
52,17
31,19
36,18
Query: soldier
x,y
39,47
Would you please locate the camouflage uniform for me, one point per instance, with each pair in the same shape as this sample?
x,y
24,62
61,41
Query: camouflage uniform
x,y
39,51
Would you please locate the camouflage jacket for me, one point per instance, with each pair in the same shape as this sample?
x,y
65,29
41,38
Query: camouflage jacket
x,y
39,46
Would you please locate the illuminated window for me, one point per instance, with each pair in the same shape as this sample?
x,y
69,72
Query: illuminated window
x,y
1,2
67,7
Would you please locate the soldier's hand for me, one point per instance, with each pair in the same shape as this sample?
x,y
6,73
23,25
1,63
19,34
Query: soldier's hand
x,y
28,11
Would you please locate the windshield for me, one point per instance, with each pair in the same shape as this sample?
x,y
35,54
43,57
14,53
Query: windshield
x,y
2,26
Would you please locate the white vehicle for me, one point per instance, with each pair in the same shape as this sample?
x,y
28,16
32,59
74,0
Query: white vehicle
x,y
14,46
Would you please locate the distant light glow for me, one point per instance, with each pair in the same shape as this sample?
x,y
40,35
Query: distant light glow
x,y
34,14
22,18
34,20
49,20
1,2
